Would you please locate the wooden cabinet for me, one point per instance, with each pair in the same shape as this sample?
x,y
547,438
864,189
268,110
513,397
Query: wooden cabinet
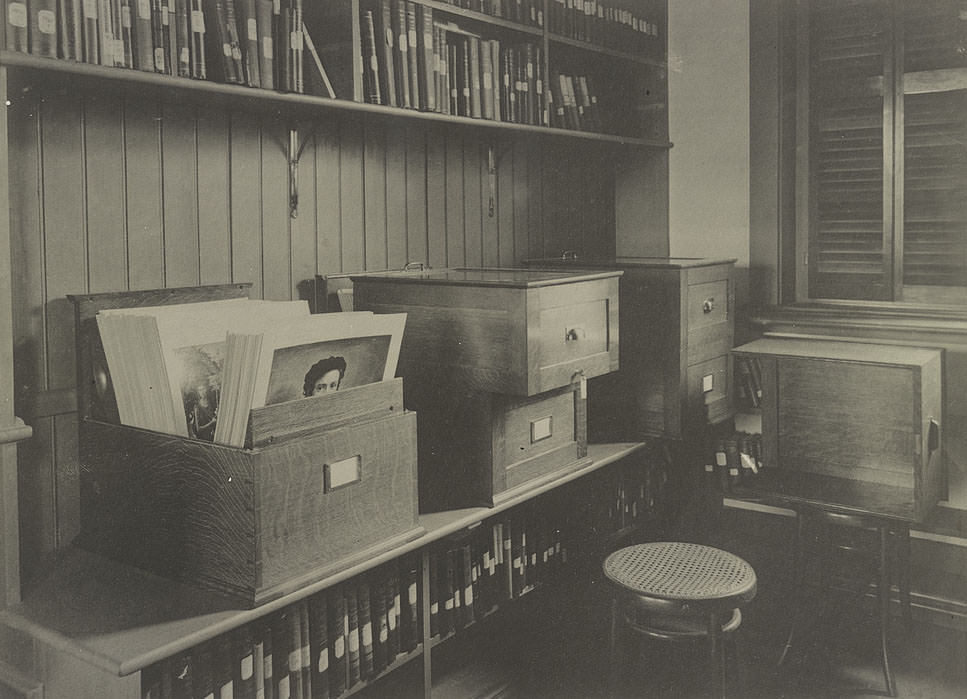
x,y
850,424
677,326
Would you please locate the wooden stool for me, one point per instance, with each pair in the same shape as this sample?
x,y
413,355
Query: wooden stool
x,y
885,528
678,591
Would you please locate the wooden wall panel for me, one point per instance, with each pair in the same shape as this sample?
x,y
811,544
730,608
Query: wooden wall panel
x,y
436,196
214,209
274,196
327,197
473,202
396,252
106,222
416,177
113,195
142,169
353,256
246,207
454,201
180,192
374,189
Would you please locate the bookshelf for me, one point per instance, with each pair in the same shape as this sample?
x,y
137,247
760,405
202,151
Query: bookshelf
x,y
99,624
339,28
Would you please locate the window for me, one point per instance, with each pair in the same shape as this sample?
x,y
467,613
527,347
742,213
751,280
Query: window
x,y
878,108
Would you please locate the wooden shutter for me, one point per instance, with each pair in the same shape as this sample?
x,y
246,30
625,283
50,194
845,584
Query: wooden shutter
x,y
850,225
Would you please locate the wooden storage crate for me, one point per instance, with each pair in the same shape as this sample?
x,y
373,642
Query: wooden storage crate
x,y
677,326
849,424
478,449
322,484
509,331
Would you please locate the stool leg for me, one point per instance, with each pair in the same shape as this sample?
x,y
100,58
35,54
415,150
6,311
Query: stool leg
x,y
716,652
613,648
883,594
799,573
902,535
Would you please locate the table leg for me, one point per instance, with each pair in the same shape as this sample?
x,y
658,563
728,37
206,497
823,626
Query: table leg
x,y
883,593
799,573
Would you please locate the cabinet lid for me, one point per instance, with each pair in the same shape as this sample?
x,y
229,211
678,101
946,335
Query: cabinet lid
x,y
488,276
630,261
837,350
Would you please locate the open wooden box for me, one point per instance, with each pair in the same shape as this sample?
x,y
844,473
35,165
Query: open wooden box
x,y
322,484
850,425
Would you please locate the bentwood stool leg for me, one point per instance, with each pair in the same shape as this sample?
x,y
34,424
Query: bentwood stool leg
x,y
615,661
716,651
799,573
883,594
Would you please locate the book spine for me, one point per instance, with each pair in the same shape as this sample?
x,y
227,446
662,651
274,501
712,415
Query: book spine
x,y
305,660
222,666
268,660
465,84
234,42
402,54
394,616
410,626
243,670
476,109
266,43
380,624
319,645
202,678
337,640
427,82
486,80
413,55
70,40
143,42
370,60
18,18
182,38
297,41
434,593
452,74
42,28
366,649
281,649
384,38
248,26
466,582
197,28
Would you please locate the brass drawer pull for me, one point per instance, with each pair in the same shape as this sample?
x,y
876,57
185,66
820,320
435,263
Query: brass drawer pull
x,y
708,305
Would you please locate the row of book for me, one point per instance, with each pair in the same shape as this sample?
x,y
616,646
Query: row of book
x,y
471,576
198,369
603,23
530,12
413,61
748,382
733,459
574,103
259,43
316,648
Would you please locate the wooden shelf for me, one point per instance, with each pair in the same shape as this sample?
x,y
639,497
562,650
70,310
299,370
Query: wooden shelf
x,y
71,79
482,17
605,51
122,619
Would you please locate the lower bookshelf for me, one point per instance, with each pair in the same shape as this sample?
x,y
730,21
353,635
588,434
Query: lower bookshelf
x,y
93,627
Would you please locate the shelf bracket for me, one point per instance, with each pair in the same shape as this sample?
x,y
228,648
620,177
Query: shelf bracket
x,y
296,149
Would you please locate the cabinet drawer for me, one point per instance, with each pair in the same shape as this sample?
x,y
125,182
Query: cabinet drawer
x,y
708,381
707,342
708,303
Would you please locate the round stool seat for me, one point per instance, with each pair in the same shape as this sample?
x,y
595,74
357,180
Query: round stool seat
x,y
681,576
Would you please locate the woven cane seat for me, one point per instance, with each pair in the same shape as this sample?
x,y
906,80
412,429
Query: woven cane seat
x,y
688,574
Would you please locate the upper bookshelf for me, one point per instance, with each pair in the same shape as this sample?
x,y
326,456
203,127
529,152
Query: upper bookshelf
x,y
492,64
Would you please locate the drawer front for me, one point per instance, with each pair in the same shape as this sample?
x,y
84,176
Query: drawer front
x,y
707,342
708,383
535,427
707,303
572,333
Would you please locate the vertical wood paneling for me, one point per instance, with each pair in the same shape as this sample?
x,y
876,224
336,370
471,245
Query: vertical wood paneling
x,y
374,192
522,201
65,162
416,236
104,161
142,154
35,457
535,197
505,204
456,197
351,203
436,196
302,266
214,214
180,182
473,202
396,254
274,195
327,198
246,193
490,254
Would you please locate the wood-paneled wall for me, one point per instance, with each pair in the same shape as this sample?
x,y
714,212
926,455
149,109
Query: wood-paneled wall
x,y
111,193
